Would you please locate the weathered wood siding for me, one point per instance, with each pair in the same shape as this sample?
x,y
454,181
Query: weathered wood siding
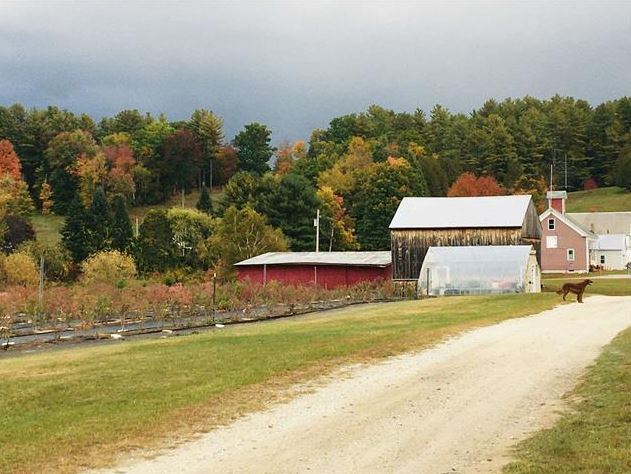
x,y
409,246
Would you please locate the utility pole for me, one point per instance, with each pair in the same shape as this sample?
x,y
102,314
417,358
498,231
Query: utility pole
x,y
316,224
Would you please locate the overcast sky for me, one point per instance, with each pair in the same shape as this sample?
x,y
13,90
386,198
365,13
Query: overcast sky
x,y
295,65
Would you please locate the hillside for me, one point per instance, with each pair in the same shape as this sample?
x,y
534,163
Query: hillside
x,y
47,228
602,199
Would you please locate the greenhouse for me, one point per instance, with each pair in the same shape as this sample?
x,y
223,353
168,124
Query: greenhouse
x,y
492,269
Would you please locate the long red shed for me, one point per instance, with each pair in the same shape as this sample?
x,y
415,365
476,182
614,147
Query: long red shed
x,y
325,269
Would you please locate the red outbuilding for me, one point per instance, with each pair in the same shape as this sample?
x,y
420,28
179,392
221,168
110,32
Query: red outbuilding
x,y
324,269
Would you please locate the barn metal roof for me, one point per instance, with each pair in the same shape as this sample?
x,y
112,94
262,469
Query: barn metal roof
x,y
380,259
460,212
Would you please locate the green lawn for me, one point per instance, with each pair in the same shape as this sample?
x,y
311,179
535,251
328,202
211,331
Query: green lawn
x,y
595,436
47,228
601,286
73,408
601,199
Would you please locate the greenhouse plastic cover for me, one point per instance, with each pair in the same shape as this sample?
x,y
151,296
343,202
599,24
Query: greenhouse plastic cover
x,y
474,270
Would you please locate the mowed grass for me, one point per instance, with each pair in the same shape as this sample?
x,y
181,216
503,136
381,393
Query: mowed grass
x,y
595,436
47,228
602,200
600,286
73,408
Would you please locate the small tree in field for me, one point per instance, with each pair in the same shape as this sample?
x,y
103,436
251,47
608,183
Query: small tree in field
x,y
20,269
46,198
109,267
120,230
204,203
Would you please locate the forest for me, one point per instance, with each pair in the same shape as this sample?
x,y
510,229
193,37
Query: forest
x,y
256,197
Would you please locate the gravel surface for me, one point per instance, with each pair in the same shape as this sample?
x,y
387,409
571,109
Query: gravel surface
x,y
457,407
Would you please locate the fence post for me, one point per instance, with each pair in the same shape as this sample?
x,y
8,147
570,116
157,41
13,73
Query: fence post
x,y
214,292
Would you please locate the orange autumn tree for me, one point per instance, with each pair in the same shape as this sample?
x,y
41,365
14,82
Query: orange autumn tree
x,y
9,161
468,185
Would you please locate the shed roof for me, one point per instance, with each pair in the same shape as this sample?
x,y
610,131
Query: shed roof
x,y
378,259
460,212
610,242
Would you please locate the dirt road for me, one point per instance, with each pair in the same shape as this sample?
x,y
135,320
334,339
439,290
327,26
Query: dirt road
x,y
455,408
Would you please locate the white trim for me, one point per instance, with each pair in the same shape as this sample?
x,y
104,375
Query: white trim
x,y
566,221
567,254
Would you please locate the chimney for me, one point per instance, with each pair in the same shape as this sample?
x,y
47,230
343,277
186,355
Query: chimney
x,y
556,200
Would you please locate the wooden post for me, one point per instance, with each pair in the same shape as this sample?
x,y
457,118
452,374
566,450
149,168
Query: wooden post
x,y
214,293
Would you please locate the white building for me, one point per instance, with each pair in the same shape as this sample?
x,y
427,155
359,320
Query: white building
x,y
611,251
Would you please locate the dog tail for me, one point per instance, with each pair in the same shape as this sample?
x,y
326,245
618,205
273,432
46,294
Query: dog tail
x,y
559,292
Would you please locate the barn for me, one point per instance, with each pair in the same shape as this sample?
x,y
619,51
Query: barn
x,y
424,222
324,269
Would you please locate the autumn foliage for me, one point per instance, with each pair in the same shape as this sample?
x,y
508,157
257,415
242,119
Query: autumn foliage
x,y
468,185
9,161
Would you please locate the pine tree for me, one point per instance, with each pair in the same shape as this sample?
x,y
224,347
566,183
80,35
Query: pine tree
x,y
121,231
155,250
204,203
99,222
74,234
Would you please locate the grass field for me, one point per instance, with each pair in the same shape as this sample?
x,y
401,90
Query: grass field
x,y
78,407
601,199
601,286
595,436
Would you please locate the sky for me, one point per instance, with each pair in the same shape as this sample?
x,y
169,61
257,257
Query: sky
x,y
295,65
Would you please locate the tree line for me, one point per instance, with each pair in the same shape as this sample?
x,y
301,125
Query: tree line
x,y
355,171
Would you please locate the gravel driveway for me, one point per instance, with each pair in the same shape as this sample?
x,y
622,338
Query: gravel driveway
x,y
457,407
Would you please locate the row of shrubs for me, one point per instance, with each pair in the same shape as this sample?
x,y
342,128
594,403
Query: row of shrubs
x,y
96,301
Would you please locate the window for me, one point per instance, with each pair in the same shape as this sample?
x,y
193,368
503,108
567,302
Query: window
x,y
551,224
602,259
551,241
571,256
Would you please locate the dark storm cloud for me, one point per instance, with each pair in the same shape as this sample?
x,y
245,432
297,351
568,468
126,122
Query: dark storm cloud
x,y
295,65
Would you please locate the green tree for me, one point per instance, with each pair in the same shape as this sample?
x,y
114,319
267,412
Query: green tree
x,y
290,204
121,231
155,249
190,229
241,234
622,170
380,189
62,154
253,148
99,223
74,233
208,130
204,203
240,191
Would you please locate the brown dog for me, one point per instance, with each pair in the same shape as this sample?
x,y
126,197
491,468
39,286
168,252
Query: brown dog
x,y
577,288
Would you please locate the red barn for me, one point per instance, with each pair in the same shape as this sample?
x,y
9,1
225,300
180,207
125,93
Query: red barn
x,y
325,269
